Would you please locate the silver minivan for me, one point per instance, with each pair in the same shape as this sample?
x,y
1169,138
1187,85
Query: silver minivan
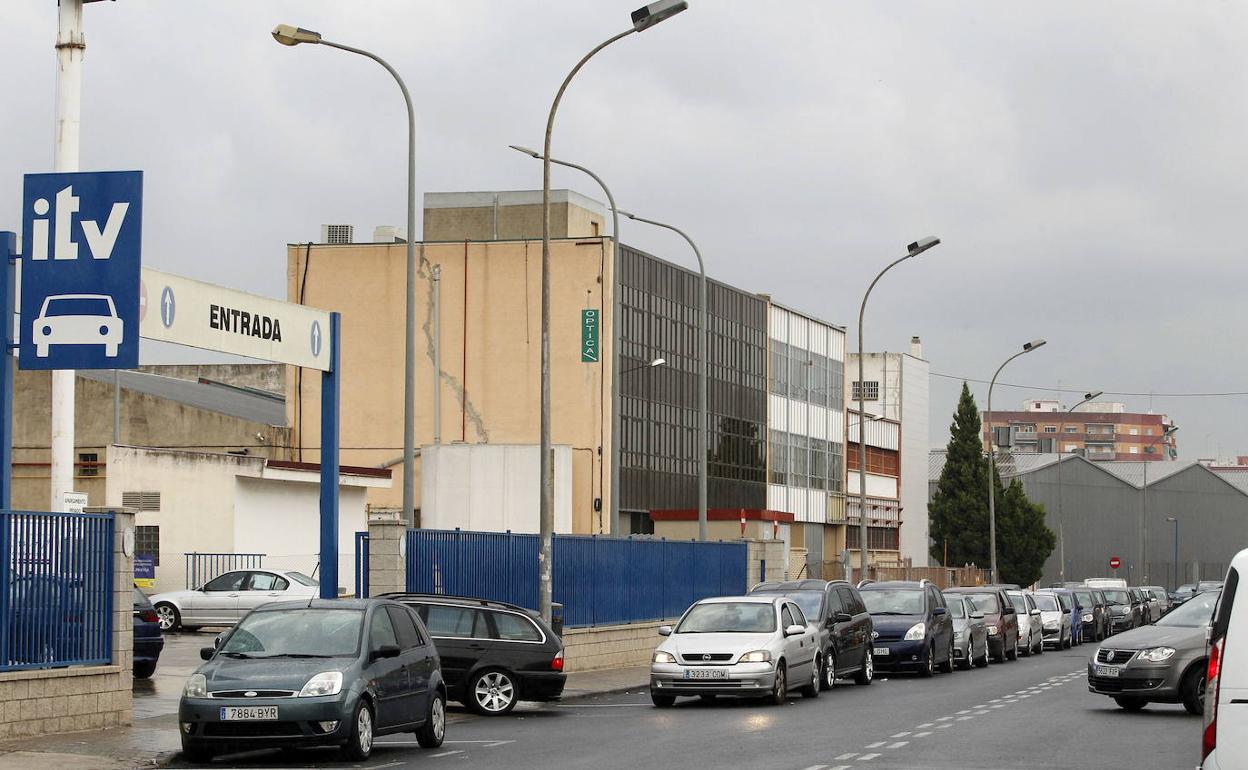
x,y
742,646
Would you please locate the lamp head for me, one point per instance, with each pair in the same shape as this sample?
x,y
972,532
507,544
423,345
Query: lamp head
x,y
647,16
1090,396
922,245
527,151
624,213
658,362
290,35
1030,346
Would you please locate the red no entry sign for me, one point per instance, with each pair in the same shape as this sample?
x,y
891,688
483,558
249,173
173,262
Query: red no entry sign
x,y
1114,562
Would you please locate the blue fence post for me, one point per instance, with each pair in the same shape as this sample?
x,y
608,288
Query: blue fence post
x,y
331,387
8,253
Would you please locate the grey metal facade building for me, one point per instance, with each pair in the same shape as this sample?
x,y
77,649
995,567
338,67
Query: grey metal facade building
x,y
659,414
1098,510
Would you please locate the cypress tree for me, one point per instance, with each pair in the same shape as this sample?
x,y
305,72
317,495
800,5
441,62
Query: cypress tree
x,y
1024,541
959,509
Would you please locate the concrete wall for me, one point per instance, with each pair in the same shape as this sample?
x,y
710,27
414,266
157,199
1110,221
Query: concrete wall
x,y
489,352
145,420
473,216
271,378
59,700
589,649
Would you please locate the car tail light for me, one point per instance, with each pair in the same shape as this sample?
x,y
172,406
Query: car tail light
x,y
148,616
557,663
1209,739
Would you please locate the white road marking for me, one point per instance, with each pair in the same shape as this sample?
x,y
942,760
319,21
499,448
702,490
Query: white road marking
x,y
850,755
488,743
925,724
963,719
946,724
981,712
965,711
867,757
839,767
816,767
898,744
901,735
998,705
604,705
446,753
923,734
875,745
943,719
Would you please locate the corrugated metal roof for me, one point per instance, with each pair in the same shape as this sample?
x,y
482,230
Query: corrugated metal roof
x,y
243,403
1008,463
1132,471
1236,478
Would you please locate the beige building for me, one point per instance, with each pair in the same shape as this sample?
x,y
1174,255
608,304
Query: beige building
x,y
488,342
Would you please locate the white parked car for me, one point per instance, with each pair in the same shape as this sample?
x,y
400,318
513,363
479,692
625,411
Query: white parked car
x,y
759,645
225,599
1224,739
77,319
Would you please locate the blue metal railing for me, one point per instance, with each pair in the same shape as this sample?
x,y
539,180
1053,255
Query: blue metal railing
x,y
361,565
598,580
202,567
56,589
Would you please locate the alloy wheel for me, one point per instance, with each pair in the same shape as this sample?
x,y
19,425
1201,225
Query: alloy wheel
x,y
494,692
438,717
364,727
829,672
167,617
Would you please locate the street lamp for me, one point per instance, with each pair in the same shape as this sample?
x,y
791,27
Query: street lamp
x,y
289,35
616,417
992,502
913,250
1166,433
1061,519
651,365
703,412
643,18
1176,550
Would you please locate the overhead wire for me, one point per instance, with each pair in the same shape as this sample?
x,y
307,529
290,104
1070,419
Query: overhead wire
x,y
1051,389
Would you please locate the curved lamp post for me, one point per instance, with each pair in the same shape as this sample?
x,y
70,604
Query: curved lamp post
x,y
992,502
643,18
913,250
289,35
1061,518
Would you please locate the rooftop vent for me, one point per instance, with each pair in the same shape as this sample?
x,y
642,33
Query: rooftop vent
x,y
337,234
389,234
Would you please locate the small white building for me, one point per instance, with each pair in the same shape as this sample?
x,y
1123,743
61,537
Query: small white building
x,y
208,502
897,386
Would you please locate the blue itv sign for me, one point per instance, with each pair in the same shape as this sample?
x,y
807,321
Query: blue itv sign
x,y
80,270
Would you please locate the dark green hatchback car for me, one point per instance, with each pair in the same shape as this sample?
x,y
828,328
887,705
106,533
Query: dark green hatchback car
x,y
314,673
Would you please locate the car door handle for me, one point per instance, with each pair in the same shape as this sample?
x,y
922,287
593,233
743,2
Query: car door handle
x,y
233,596
274,594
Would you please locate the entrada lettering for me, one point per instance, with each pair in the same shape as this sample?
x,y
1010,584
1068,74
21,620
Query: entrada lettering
x,y
229,319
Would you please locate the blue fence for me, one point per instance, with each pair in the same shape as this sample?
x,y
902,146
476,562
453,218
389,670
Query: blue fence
x,y
202,567
56,602
598,580
361,565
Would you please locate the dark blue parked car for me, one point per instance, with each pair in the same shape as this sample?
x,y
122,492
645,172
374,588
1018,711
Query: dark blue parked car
x,y
913,628
148,641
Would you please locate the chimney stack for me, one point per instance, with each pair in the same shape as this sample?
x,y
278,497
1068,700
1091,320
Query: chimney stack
x,y
916,347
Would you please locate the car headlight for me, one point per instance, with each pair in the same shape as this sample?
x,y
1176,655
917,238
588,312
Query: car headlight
x,y
1122,611
663,657
758,656
992,630
196,687
1051,625
1087,618
1157,654
324,683
916,632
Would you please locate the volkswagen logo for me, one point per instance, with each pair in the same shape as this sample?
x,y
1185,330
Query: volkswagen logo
x,y
875,634
250,694
706,657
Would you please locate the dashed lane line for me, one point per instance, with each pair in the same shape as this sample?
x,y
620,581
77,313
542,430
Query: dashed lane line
x,y
849,755
867,757
901,735
897,745
875,745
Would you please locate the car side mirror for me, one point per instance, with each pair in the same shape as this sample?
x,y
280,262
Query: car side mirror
x,y
795,630
843,617
1079,607
384,651
1009,611
665,630
206,653
1035,613
938,611
977,616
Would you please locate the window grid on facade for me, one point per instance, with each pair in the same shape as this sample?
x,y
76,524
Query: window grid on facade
x,y
87,464
147,541
870,393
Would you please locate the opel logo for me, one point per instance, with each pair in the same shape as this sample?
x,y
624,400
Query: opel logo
x,y
706,657
250,694
875,634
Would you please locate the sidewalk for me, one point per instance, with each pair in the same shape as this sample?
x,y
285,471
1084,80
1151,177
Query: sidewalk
x,y
153,741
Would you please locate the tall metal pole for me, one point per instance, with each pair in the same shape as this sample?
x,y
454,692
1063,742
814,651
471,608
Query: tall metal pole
x,y
1165,433
70,48
546,524
437,354
613,525
914,250
703,371
1061,429
992,467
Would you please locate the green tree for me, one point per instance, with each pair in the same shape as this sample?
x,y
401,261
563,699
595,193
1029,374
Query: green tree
x,y
1024,541
959,509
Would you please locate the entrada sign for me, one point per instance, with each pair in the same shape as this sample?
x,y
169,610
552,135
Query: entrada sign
x,y
203,315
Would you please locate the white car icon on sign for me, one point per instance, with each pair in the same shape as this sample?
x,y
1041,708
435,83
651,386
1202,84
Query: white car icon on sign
x,y
78,319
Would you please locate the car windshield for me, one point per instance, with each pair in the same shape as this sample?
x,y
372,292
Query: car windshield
x,y
1186,588
93,306
1085,599
1116,596
986,603
1209,585
1020,604
957,610
809,601
1046,602
1196,612
301,578
298,633
729,618
893,601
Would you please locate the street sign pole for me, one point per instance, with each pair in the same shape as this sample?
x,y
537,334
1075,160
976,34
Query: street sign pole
x,y
8,255
331,390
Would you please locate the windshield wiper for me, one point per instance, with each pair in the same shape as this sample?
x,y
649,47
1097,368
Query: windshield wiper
x,y
245,655
890,612
297,655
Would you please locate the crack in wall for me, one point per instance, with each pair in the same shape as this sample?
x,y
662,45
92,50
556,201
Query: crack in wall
x,y
457,387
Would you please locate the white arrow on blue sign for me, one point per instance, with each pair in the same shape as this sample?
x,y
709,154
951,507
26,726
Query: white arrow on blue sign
x,y
80,270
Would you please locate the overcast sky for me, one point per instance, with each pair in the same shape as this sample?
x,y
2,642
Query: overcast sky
x,y
1082,162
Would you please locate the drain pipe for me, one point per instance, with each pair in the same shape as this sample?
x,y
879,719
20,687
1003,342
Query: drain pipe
x,y
437,354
